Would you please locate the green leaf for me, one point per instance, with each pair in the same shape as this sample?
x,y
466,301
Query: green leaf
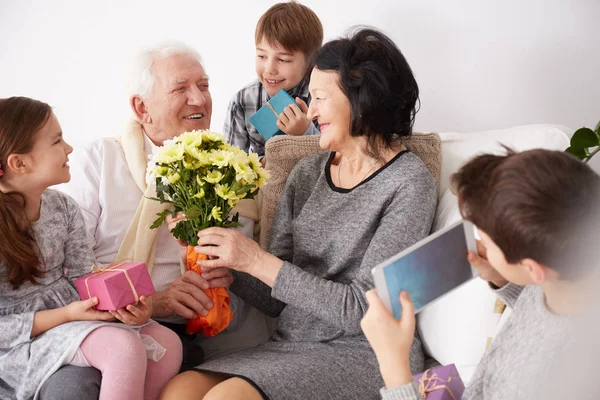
x,y
597,129
161,218
579,153
584,138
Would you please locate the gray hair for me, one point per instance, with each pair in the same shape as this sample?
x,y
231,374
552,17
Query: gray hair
x,y
141,80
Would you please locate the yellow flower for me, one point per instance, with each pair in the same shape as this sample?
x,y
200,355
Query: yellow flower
x,y
212,136
224,192
170,154
262,178
243,171
199,180
190,139
221,158
232,202
173,177
215,213
200,194
191,163
160,171
213,177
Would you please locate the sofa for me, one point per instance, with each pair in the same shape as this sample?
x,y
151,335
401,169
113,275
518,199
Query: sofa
x,y
458,327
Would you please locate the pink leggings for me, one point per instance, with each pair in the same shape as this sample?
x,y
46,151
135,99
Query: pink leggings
x,y
120,355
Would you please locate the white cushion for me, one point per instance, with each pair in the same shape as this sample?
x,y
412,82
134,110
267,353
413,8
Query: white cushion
x,y
457,148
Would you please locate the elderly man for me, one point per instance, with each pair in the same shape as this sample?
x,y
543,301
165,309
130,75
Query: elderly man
x,y
171,96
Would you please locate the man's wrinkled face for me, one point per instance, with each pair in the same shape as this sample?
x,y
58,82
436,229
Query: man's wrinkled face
x,y
180,99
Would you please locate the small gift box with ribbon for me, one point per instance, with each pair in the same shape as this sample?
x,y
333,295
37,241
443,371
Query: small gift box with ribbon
x,y
265,119
442,383
116,285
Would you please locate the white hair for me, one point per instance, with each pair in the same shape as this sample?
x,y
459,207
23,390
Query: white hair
x,y
141,80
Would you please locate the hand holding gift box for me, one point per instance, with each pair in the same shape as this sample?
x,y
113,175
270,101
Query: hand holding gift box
x,y
442,383
265,119
116,285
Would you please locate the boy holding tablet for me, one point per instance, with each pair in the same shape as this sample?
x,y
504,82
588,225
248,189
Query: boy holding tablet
x,y
536,213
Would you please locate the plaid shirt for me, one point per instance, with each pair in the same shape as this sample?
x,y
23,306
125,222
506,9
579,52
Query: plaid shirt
x,y
238,129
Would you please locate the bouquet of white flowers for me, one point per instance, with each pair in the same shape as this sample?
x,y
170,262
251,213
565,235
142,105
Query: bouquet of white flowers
x,y
204,177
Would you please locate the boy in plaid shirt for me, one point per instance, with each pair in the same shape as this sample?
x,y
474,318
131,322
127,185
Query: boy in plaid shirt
x,y
287,36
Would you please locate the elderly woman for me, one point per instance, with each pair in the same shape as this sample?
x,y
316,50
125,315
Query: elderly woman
x,y
341,213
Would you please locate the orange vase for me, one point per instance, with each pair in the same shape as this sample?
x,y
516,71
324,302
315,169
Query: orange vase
x,y
220,315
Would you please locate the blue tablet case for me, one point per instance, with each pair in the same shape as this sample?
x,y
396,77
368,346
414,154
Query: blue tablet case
x,y
265,119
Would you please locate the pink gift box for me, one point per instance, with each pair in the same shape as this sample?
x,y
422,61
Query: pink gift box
x,y
116,285
441,383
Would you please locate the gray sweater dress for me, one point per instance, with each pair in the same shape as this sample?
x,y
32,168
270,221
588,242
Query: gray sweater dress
x,y
26,363
521,357
330,239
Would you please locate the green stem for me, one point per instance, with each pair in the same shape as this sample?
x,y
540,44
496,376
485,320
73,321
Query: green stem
x,y
591,154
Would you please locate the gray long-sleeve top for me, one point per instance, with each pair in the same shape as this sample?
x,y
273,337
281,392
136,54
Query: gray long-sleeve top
x,y
330,239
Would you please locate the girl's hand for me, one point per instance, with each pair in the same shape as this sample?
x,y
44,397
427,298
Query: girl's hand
x,y
84,311
135,314
172,221
391,339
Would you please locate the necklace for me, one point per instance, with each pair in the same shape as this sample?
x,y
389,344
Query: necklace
x,y
339,176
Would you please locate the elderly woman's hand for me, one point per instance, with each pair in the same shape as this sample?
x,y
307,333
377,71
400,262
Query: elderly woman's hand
x,y
228,248
231,249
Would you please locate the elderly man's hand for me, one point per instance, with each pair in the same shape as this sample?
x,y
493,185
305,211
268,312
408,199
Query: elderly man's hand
x,y
172,222
186,297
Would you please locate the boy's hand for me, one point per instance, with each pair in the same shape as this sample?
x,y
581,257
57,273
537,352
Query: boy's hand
x,y
486,271
293,119
135,314
391,339
83,310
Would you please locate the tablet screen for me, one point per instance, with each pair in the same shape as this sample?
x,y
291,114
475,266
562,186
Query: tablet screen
x,y
430,270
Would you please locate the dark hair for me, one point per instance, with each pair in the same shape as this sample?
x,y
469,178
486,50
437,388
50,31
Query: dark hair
x,y
538,204
378,82
293,26
20,119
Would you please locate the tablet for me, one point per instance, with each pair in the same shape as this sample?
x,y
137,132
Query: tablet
x,y
427,270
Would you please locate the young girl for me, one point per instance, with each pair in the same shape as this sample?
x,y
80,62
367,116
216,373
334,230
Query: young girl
x,y
43,247
537,213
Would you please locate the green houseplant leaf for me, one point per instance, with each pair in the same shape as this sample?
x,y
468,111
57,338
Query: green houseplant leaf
x,y
579,153
584,138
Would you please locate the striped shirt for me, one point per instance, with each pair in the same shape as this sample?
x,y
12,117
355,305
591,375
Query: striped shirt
x,y
238,129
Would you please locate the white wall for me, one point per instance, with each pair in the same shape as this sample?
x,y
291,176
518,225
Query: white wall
x,y
480,64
